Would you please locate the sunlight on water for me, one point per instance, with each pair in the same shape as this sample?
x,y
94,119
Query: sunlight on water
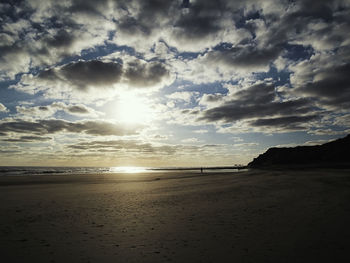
x,y
128,169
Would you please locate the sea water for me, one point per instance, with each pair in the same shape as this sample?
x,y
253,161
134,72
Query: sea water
x,y
38,170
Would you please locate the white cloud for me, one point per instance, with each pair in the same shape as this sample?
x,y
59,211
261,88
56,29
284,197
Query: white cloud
x,y
3,108
201,131
237,139
190,140
244,145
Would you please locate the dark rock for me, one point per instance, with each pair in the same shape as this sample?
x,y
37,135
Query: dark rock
x,y
332,154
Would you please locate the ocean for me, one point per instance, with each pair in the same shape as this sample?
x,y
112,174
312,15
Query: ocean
x,y
37,170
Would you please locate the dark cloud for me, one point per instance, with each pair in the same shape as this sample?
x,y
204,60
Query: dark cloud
x,y
130,25
74,109
258,101
331,87
244,57
35,35
90,7
78,109
60,29
13,59
43,108
145,16
28,139
140,147
185,4
44,127
10,151
145,74
188,25
83,75
203,18
287,123
12,10
316,9
150,15
61,39
190,111
50,110
49,74
319,24
235,110
209,99
123,145
95,73
213,97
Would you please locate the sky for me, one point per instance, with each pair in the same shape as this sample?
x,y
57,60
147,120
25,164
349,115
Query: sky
x,y
170,82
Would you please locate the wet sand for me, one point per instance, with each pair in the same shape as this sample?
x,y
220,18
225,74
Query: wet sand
x,y
250,216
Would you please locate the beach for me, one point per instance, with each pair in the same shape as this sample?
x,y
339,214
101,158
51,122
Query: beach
x,y
185,216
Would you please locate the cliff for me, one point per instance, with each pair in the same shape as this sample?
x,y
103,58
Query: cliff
x,y
332,154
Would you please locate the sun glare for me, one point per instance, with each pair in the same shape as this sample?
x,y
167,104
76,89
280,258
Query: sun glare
x,y
127,169
131,108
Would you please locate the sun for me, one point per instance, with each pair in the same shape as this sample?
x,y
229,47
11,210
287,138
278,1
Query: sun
x,y
132,108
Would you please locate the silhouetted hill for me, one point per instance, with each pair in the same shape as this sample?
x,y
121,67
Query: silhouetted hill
x,y
332,154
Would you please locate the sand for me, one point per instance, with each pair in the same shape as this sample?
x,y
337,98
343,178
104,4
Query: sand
x,y
251,216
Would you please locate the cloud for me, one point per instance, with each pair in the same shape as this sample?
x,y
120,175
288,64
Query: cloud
x,y
201,20
244,145
343,120
256,101
187,27
83,74
78,109
190,140
10,152
201,131
323,27
237,139
36,111
135,146
291,123
89,7
27,139
38,35
328,84
81,78
142,74
160,137
46,111
244,58
3,108
140,149
325,24
329,132
53,126
210,100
